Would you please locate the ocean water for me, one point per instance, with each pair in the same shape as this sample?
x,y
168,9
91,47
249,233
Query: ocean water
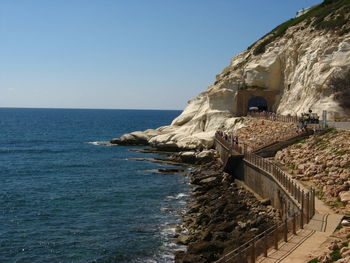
x,y
64,198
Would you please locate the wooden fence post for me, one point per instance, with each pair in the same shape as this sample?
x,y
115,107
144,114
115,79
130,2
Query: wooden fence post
x,y
278,175
285,229
302,210
307,207
312,211
265,245
240,256
314,200
275,235
294,225
253,252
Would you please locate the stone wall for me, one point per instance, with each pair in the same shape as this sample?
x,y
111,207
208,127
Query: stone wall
x,y
266,186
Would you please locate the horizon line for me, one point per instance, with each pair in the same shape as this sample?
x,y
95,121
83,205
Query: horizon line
x,y
68,108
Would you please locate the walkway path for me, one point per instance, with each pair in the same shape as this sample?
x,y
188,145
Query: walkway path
x,y
308,241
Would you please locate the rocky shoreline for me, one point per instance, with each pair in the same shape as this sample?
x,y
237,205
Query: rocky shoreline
x,y
221,216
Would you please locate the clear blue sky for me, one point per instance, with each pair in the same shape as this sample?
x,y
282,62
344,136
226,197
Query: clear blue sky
x,y
125,54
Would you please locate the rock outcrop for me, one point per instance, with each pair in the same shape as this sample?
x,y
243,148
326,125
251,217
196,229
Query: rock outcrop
x,y
290,67
259,133
324,161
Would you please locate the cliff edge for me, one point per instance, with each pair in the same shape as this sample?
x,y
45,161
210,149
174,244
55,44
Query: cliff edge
x,y
288,71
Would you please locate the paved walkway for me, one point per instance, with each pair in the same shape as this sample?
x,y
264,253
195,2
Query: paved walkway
x,y
308,241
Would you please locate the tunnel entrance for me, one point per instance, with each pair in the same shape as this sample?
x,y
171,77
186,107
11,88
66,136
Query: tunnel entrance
x,y
257,103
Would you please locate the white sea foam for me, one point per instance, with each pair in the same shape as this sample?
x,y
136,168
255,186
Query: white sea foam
x,y
168,230
165,209
103,143
181,195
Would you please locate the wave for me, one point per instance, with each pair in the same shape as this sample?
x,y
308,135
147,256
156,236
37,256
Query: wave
x,y
181,195
102,143
178,196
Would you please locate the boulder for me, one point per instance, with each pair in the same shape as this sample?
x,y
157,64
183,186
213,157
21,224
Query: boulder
x,y
345,222
205,156
208,180
183,239
134,138
344,196
188,157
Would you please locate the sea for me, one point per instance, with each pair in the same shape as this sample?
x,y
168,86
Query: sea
x,y
67,195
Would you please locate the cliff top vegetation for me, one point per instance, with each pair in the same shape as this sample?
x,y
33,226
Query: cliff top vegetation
x,y
329,15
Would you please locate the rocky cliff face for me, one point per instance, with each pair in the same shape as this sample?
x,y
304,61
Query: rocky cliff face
x,y
296,60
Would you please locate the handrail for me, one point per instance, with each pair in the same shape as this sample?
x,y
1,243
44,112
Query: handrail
x,y
235,256
281,139
274,117
280,176
305,199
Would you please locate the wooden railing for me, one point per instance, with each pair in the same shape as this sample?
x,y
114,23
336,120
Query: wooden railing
x,y
274,117
304,200
228,143
259,245
238,147
287,118
280,139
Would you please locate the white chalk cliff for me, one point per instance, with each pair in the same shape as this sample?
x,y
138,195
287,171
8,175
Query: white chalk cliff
x,y
297,64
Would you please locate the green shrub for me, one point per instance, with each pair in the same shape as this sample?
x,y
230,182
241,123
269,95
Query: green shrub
x,y
314,260
332,24
316,17
292,166
347,165
300,141
335,255
341,153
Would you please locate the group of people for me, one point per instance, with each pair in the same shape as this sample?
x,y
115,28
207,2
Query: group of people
x,y
310,117
266,114
230,138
